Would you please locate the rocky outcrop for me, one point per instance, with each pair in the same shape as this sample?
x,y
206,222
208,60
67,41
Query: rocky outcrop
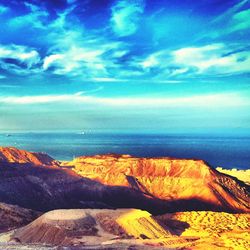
x,y
158,185
14,155
45,188
167,179
14,216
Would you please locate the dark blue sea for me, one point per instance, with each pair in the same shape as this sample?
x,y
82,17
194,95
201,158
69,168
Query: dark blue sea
x,y
224,151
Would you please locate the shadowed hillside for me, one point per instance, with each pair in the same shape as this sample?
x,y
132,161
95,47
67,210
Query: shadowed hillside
x,y
167,179
156,185
12,216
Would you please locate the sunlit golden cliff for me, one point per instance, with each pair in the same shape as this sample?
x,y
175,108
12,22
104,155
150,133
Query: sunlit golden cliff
x,y
165,178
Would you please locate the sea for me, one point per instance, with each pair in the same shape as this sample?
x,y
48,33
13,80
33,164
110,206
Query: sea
x,y
218,151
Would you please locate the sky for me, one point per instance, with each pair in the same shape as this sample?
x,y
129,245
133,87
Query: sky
x,y
122,65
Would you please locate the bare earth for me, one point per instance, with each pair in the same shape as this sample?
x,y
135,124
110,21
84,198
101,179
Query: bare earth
x,y
119,178
123,228
242,175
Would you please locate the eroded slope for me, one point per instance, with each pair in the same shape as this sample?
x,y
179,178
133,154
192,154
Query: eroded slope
x,y
167,179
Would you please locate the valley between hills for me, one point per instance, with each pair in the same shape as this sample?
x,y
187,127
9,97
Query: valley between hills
x,y
120,202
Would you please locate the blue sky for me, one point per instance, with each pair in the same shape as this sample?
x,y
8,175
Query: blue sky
x,y
167,66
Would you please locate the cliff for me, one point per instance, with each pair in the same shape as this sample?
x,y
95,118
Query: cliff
x,y
158,185
14,155
166,179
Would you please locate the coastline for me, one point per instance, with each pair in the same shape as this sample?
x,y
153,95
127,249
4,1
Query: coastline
x,y
223,151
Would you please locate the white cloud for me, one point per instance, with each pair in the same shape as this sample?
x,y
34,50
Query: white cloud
x,y
74,51
209,101
76,61
36,18
240,21
23,54
213,58
151,61
119,53
125,17
179,71
52,59
107,79
200,57
229,12
163,65
232,20
61,21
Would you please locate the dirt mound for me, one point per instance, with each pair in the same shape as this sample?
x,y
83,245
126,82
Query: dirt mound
x,y
136,229
79,226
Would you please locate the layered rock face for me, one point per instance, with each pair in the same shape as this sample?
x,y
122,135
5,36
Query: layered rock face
x,y
157,185
166,179
14,155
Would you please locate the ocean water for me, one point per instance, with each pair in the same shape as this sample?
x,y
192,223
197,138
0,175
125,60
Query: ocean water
x,y
223,151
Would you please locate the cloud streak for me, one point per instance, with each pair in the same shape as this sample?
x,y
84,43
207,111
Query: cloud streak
x,y
18,59
130,57
73,50
210,60
36,17
126,16
209,101
213,58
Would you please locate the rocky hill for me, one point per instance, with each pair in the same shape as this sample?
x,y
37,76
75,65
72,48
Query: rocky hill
x,y
157,185
167,179
63,227
14,216
14,155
